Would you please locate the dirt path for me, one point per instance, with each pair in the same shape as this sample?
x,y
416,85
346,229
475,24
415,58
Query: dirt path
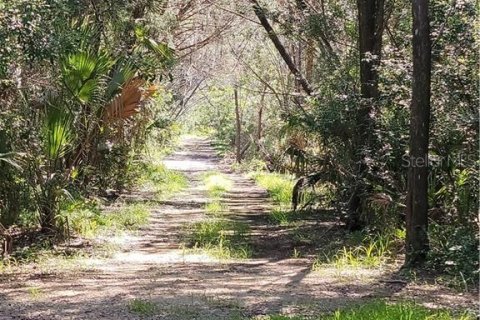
x,y
154,267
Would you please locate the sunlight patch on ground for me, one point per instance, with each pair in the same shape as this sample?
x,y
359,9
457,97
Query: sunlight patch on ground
x,y
188,165
364,275
174,256
123,239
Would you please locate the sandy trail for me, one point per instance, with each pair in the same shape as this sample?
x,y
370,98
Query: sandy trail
x,y
154,267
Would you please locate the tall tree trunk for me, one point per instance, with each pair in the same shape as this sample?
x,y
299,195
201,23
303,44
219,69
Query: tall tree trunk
x,y
370,32
238,128
417,199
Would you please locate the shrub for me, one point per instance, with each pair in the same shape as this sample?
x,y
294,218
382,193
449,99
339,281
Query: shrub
x,y
86,219
454,251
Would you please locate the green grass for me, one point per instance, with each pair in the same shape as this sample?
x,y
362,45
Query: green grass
x,y
131,217
381,310
142,307
373,252
85,217
216,208
281,217
216,184
279,186
221,148
90,221
35,292
288,218
220,238
250,165
163,181
47,258
217,236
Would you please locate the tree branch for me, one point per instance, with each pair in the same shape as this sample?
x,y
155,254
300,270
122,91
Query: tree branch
x,y
260,13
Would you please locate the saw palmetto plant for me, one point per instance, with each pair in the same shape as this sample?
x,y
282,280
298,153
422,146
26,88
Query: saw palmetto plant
x,y
82,74
126,104
59,137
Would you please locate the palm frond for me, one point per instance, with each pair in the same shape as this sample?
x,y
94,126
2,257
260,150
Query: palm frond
x,y
126,104
81,72
122,74
163,52
58,132
9,159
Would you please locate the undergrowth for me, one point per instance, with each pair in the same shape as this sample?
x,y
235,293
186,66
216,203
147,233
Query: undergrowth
x,y
215,208
371,252
377,310
381,310
89,221
288,218
49,258
454,252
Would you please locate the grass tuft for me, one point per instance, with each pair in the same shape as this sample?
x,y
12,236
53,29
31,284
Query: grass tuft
x,y
279,186
142,307
216,184
35,292
216,208
221,238
90,222
131,217
281,217
163,181
380,310
373,252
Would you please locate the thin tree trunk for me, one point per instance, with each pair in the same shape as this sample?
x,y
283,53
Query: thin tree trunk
x,y
259,132
238,129
259,123
310,62
299,56
417,197
7,246
260,13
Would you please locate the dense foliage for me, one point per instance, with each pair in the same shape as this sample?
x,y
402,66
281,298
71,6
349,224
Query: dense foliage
x,y
76,102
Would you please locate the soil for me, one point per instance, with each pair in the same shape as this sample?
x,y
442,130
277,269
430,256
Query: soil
x,y
154,266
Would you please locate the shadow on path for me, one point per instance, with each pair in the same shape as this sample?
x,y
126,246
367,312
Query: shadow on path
x,y
154,267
